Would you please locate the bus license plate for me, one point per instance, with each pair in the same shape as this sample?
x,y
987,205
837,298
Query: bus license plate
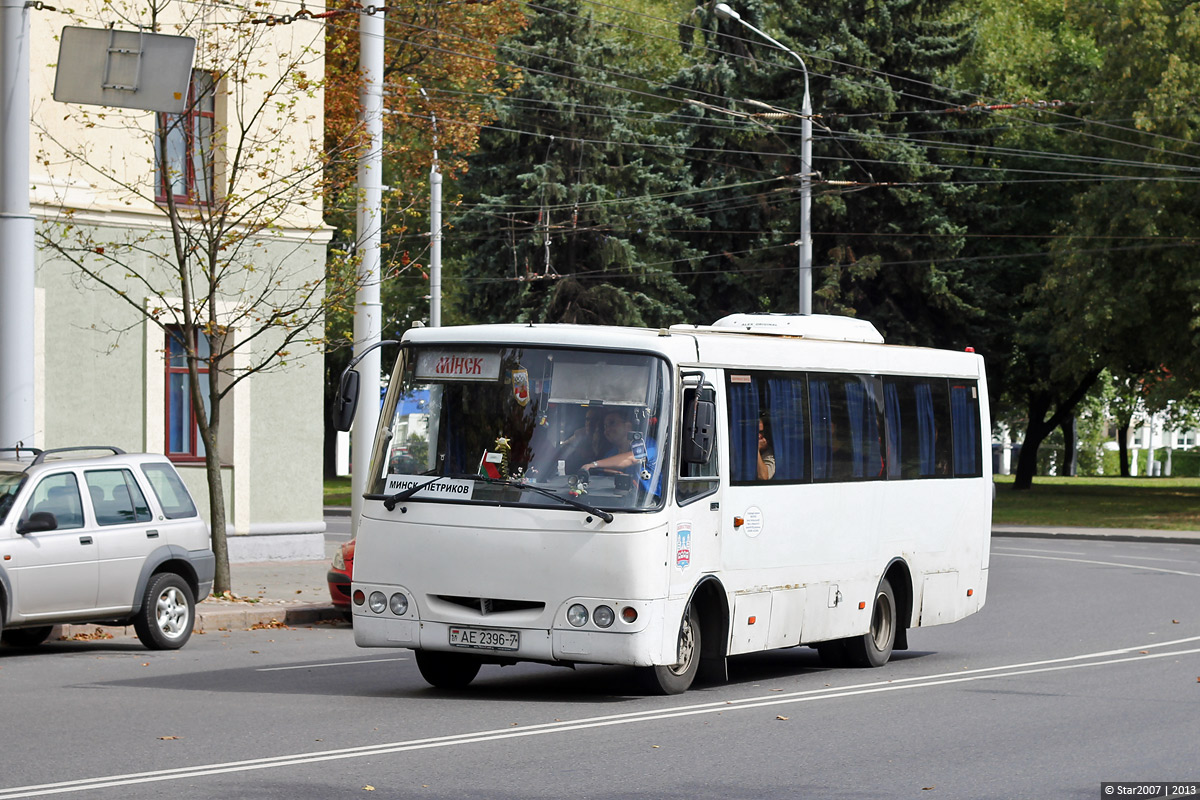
x,y
488,638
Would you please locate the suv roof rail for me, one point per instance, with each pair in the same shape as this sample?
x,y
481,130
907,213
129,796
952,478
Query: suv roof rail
x,y
41,456
33,451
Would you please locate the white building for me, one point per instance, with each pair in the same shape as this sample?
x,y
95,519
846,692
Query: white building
x,y
107,363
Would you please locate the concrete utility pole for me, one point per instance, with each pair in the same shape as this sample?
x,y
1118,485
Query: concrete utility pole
x,y
16,230
727,13
368,317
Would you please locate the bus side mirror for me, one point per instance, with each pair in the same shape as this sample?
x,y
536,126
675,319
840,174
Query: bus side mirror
x,y
346,402
699,426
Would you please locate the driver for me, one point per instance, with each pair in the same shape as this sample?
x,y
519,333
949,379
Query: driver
x,y
624,453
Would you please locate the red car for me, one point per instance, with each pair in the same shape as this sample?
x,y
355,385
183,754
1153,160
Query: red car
x,y
339,577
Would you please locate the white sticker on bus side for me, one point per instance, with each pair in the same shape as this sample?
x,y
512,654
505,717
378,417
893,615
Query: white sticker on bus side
x,y
753,525
443,487
683,545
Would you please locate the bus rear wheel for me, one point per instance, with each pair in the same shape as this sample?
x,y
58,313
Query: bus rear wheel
x,y
677,678
874,648
447,670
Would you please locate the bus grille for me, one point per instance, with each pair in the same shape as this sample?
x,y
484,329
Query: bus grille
x,y
491,605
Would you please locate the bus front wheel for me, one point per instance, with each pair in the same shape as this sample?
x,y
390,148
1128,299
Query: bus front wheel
x,y
874,648
677,678
447,670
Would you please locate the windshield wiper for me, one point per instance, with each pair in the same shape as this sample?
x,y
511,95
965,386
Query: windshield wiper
x,y
571,501
391,501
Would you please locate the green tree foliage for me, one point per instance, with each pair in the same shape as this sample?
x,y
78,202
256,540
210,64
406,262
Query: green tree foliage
x,y
884,220
568,217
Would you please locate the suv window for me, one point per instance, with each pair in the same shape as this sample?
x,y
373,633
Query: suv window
x,y
116,497
59,495
10,484
169,489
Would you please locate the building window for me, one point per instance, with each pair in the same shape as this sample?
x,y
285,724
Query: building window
x,y
185,172
183,434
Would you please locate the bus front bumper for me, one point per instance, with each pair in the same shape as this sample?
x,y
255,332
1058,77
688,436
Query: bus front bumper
x,y
643,648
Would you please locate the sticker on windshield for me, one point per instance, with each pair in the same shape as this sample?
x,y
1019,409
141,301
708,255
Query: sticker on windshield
x,y
442,488
521,386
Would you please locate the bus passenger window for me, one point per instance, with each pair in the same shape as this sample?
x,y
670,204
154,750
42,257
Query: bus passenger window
x,y
743,428
768,428
918,420
964,416
785,427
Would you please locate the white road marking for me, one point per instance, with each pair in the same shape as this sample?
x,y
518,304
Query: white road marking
x,y
1039,550
1102,563
296,759
334,664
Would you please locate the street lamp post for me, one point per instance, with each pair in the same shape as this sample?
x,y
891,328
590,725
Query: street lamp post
x,y
725,12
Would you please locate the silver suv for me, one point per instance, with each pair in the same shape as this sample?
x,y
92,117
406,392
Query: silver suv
x,y
107,539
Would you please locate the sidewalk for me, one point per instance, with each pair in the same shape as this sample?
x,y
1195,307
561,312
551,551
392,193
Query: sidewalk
x,y
270,594
286,593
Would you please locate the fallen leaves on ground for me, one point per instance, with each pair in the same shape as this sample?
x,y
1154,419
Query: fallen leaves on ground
x,y
230,597
92,636
262,626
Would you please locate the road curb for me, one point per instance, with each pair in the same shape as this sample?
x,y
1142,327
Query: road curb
x,y
210,620
1171,537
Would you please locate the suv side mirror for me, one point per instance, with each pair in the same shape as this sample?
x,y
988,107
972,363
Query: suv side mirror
x,y
346,402
38,522
699,425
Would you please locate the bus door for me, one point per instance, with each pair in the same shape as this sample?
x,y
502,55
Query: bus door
x,y
694,541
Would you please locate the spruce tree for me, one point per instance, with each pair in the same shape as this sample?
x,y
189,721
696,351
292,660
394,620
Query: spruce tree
x,y
567,211
884,215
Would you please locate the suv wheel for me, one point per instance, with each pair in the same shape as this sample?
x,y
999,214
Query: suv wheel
x,y
167,614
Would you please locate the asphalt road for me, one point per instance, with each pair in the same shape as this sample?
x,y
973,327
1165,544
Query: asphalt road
x,y
1084,667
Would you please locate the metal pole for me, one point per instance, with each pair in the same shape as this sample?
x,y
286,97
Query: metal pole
x,y
805,266
435,245
16,230
368,317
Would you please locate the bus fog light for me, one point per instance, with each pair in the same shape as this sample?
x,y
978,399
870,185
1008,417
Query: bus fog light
x,y
577,615
378,602
359,597
399,604
603,616
629,615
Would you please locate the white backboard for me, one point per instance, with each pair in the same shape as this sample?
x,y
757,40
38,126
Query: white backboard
x,y
124,69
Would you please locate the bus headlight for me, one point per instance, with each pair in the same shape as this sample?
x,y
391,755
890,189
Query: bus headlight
x,y
603,616
377,602
399,604
577,615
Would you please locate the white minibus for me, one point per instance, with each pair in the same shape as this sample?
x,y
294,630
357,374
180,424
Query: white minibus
x,y
665,499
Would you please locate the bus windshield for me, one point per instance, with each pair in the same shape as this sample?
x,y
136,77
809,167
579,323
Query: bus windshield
x,y
519,426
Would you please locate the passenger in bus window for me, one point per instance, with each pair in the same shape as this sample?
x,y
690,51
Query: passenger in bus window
x,y
766,456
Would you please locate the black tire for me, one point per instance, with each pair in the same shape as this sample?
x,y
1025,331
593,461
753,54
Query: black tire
x,y
677,678
168,613
26,637
874,648
447,670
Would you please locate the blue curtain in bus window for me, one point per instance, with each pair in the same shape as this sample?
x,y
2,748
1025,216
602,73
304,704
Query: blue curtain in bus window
x,y
926,432
822,430
873,463
855,401
891,399
743,430
966,436
786,410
